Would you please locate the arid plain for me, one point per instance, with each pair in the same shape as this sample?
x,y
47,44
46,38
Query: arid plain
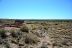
x,y
35,33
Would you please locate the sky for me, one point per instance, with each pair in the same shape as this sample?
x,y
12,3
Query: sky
x,y
36,9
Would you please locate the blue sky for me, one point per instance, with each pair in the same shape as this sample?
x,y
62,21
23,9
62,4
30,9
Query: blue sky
x,y
36,9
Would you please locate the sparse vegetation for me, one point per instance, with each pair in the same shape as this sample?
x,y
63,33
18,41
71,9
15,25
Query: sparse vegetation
x,y
36,34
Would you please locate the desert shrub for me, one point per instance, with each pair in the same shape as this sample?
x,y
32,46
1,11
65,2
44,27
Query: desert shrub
x,y
13,34
2,33
44,47
46,27
65,43
7,45
34,26
24,29
31,39
55,24
16,34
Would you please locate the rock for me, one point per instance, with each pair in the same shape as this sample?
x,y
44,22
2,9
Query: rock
x,y
7,33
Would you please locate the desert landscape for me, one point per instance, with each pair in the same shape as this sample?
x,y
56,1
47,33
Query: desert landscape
x,y
35,33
